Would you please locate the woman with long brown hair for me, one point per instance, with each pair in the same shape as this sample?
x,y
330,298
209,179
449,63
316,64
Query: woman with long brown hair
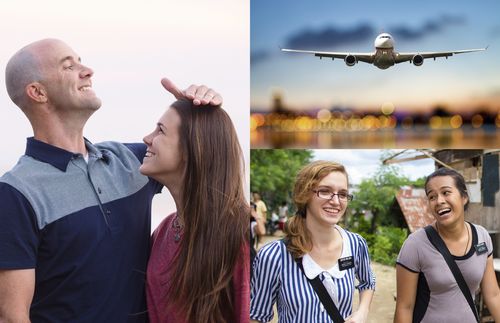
x,y
199,265
441,267
315,249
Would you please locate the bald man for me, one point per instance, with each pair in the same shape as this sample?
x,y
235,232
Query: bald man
x,y
75,216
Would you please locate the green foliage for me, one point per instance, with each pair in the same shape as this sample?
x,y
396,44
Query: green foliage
x,y
272,172
359,224
386,244
376,195
380,250
419,183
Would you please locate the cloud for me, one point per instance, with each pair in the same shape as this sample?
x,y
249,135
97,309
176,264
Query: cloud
x,y
330,36
258,56
336,37
403,32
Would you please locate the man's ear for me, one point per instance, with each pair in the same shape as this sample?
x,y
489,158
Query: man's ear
x,y
36,92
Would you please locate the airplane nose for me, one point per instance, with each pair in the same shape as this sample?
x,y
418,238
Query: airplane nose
x,y
384,43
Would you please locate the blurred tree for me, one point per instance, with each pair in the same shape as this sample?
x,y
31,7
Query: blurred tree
x,y
419,182
387,243
272,173
376,194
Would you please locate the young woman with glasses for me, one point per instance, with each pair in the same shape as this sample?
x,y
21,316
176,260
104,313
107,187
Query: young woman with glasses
x,y
315,242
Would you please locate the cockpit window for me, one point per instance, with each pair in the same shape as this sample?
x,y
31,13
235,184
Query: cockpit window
x,y
385,37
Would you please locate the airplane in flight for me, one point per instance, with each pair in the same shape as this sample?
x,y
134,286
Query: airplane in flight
x,y
384,55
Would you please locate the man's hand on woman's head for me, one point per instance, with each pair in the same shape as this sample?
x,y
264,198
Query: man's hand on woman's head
x,y
200,94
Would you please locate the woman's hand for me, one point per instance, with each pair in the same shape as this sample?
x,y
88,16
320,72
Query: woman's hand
x,y
360,316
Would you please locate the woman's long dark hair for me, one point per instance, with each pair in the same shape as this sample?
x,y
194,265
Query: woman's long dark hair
x,y
215,215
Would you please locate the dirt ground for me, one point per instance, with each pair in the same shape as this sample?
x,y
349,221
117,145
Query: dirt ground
x,y
383,304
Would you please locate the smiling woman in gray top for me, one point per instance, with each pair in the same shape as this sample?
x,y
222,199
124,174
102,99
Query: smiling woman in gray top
x,y
426,288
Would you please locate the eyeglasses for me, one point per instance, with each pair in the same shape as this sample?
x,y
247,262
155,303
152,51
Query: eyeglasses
x,y
328,195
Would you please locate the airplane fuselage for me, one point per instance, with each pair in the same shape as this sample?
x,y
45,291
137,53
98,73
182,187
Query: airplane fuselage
x,y
384,58
384,51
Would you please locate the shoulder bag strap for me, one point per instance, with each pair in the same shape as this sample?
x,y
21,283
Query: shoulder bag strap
x,y
436,240
323,295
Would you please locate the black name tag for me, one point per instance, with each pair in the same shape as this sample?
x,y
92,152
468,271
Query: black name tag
x,y
346,263
481,248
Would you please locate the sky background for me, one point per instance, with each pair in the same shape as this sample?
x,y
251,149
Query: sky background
x,y
363,163
306,82
131,45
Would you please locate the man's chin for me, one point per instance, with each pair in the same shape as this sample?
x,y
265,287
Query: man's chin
x,y
97,104
92,103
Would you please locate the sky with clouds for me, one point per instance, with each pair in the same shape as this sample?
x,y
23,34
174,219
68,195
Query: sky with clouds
x,y
363,163
306,82
131,45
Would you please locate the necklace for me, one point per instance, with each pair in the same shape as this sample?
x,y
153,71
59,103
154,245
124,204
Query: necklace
x,y
177,227
468,237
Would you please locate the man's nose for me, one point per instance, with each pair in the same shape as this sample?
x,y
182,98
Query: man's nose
x,y
86,72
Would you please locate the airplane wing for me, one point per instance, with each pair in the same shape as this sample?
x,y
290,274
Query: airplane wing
x,y
362,57
404,57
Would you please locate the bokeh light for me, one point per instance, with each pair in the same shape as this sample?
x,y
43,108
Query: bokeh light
x,y
387,108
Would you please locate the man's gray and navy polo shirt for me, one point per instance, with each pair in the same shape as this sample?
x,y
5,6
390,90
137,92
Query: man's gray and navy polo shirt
x,y
84,227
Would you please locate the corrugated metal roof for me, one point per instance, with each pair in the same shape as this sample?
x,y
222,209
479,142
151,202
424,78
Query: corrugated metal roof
x,y
413,204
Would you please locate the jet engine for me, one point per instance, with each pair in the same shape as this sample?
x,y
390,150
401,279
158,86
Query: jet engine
x,y
418,60
350,60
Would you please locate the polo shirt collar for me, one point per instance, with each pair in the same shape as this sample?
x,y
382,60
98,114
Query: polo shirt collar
x,y
55,156
94,152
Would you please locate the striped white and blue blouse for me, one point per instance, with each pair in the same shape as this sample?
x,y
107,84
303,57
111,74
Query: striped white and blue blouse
x,y
277,279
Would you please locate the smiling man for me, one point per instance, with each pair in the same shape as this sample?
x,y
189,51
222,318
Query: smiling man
x,y
76,216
